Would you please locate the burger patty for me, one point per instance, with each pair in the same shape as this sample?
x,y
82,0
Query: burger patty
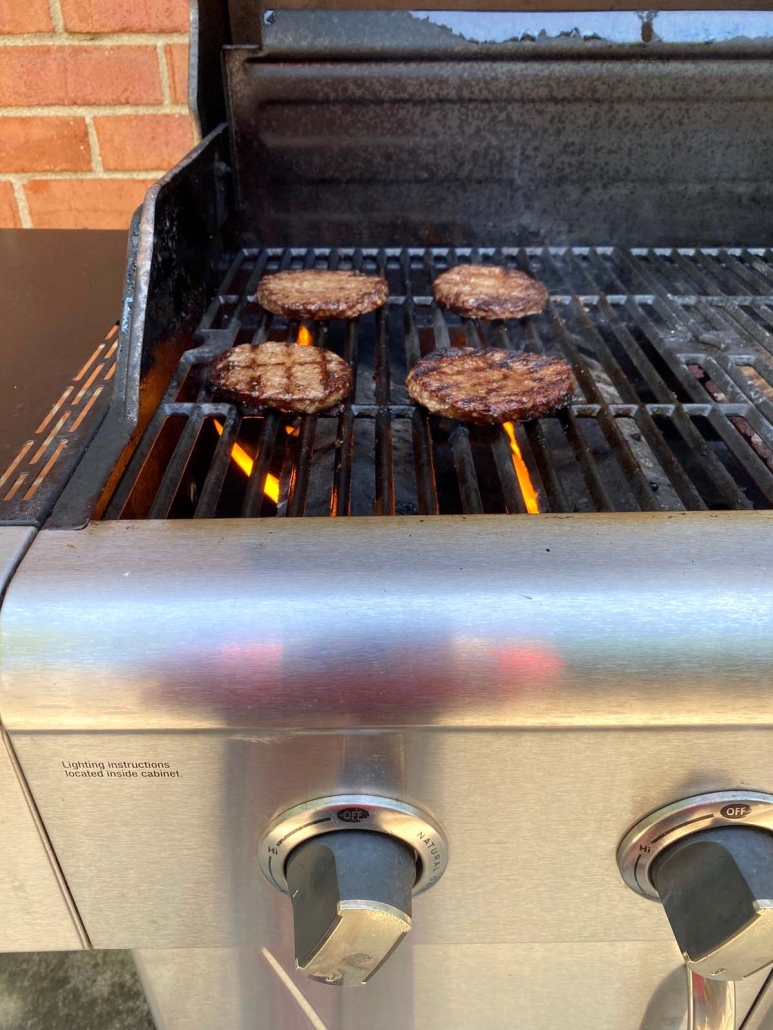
x,y
490,385
489,291
287,376
320,294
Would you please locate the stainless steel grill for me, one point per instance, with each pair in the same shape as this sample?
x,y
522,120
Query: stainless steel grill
x,y
671,351
192,695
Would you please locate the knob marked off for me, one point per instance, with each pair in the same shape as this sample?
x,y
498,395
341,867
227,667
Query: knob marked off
x,y
351,865
709,860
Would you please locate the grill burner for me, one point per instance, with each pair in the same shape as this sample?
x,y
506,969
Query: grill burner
x,y
671,351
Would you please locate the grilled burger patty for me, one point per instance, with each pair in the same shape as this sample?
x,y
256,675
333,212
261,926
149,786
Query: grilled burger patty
x,y
489,291
490,385
321,294
287,376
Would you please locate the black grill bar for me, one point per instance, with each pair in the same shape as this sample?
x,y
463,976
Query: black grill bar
x,y
256,484
584,456
745,326
665,416
753,261
341,501
679,479
508,478
385,483
630,466
301,469
711,465
206,506
553,488
170,484
422,437
459,437
465,470
746,456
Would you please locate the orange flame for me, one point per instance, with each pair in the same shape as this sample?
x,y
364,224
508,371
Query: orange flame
x,y
524,479
245,463
304,337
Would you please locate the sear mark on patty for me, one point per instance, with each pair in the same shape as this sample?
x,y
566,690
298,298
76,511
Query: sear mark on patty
x,y
489,292
287,376
490,385
321,294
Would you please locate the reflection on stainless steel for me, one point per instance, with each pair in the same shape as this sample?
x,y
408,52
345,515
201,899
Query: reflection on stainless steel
x,y
14,541
618,620
710,1003
36,912
247,988
760,1016
487,985
303,1003
667,1004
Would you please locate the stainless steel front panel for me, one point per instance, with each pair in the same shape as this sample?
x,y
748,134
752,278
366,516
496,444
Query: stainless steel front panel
x,y
532,817
542,987
36,913
537,685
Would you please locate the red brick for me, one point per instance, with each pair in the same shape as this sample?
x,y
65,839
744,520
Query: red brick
x,y
9,212
138,142
84,203
177,67
125,15
24,16
44,145
79,75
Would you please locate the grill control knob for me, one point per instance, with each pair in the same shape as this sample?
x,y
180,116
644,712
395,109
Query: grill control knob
x,y
351,895
717,889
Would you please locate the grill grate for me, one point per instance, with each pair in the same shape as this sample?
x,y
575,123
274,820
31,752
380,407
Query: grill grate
x,y
672,352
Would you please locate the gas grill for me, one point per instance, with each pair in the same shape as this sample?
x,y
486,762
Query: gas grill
x,y
536,689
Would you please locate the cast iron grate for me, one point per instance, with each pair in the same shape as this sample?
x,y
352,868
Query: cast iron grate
x,y
672,352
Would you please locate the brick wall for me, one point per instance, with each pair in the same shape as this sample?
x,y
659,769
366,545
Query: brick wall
x,y
93,107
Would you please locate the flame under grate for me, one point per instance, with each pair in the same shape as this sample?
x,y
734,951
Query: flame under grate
x,y
672,353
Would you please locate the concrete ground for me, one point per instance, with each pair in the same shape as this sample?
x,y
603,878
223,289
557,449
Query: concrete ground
x,y
97,990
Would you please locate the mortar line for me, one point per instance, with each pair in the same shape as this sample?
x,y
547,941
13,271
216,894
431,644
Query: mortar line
x,y
21,203
55,10
163,71
96,153
103,39
85,110
25,177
